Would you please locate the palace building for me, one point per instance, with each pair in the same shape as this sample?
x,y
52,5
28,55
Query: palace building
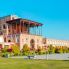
x,y
16,30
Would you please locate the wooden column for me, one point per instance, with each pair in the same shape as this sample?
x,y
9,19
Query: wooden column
x,y
20,26
41,30
11,28
34,30
29,28
37,30
16,28
7,29
23,28
11,32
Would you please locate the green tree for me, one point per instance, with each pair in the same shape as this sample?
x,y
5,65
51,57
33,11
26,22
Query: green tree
x,y
51,49
15,50
60,50
26,49
5,49
65,49
39,50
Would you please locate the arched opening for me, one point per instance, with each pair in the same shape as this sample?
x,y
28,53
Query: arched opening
x,y
0,46
32,43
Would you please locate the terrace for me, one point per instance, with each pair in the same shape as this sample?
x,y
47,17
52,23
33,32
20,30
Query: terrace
x,y
25,26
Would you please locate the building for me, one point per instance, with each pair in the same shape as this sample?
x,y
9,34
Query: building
x,y
15,30
56,42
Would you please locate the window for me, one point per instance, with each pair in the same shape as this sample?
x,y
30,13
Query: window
x,y
5,39
1,33
17,38
0,27
4,26
0,46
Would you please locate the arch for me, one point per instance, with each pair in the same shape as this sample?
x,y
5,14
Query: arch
x,y
0,46
32,43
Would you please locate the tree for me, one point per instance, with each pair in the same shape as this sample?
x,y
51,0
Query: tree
x,y
25,49
5,49
65,49
51,49
39,50
15,50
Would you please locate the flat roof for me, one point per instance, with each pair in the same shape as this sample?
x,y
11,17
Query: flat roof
x,y
25,20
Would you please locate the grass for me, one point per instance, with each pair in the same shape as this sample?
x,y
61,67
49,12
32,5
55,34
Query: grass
x,y
9,63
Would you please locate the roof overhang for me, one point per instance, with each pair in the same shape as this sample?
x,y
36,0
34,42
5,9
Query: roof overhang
x,y
24,21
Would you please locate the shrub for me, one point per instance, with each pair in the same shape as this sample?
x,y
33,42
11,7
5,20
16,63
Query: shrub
x,y
5,54
5,51
32,52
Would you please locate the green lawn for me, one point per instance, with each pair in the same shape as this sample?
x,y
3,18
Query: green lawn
x,y
8,63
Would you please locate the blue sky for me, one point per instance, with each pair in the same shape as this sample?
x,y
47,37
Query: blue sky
x,y
54,14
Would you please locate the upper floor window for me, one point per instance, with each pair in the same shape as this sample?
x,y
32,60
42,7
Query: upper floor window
x,y
4,39
0,28
4,26
1,33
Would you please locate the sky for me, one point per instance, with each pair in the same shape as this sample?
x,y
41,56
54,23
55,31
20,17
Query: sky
x,y
53,14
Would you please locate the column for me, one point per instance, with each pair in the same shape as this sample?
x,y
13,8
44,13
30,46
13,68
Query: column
x,y
37,30
29,28
23,28
11,28
41,30
11,32
16,27
7,30
20,26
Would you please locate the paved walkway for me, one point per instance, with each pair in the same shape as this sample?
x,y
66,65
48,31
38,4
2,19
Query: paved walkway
x,y
47,56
